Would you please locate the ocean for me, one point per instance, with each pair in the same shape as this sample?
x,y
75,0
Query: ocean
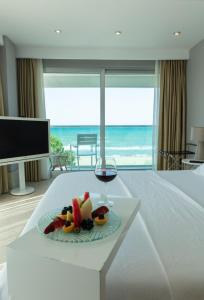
x,y
121,141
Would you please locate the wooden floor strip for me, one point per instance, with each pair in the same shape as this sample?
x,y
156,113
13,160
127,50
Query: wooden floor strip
x,y
14,213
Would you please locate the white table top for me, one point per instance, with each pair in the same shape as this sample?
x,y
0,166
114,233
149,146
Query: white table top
x,y
96,255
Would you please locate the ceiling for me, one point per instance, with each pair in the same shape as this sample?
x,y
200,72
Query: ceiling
x,y
145,24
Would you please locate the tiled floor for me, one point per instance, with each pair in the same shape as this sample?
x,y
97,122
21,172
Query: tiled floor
x,y
14,213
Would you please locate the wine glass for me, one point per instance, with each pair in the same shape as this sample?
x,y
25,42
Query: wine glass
x,y
106,171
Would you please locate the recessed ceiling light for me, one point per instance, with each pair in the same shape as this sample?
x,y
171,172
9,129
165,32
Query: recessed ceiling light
x,y
58,31
118,32
177,33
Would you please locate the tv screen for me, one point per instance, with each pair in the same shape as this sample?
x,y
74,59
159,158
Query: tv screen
x,y
22,138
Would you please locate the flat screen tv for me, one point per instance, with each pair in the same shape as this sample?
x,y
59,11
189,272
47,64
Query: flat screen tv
x,y
23,139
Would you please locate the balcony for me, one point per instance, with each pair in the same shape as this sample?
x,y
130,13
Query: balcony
x,y
131,146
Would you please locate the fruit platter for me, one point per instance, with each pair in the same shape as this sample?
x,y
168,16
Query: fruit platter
x,y
79,222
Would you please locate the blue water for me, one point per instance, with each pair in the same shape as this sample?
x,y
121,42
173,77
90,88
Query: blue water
x,y
120,140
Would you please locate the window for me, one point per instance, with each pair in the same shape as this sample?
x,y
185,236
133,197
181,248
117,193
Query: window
x,y
129,103
73,106
117,106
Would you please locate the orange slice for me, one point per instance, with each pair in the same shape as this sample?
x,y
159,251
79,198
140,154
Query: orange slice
x,y
69,228
101,221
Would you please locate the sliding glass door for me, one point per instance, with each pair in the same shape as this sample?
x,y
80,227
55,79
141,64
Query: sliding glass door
x,y
116,106
129,100
73,107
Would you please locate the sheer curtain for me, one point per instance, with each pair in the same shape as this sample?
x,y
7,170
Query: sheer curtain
x,y
155,126
40,98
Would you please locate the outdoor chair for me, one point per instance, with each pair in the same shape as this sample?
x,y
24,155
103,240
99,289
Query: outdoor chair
x,y
59,160
86,146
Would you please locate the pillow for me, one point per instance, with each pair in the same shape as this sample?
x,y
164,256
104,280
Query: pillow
x,y
199,170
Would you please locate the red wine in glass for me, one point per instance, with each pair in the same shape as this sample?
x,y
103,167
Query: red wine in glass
x,y
105,175
106,171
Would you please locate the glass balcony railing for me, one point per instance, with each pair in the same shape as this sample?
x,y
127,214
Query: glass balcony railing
x,y
131,146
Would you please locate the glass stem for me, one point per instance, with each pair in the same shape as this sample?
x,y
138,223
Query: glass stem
x,y
106,193
104,198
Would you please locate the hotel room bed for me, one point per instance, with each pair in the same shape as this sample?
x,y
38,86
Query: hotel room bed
x,y
162,256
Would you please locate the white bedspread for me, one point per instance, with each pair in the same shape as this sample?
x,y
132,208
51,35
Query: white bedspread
x,y
162,256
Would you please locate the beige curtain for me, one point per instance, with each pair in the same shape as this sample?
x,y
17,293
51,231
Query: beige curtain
x,y
172,111
3,170
28,93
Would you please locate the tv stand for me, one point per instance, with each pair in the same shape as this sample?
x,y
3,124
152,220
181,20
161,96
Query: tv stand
x,y
22,189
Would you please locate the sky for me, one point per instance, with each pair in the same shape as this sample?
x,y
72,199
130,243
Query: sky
x,y
81,106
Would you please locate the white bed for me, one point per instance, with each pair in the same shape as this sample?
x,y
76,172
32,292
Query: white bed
x,y
162,256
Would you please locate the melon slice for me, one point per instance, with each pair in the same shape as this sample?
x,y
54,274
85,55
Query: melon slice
x,y
86,210
79,200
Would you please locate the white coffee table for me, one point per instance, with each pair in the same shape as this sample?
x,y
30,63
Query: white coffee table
x,y
43,269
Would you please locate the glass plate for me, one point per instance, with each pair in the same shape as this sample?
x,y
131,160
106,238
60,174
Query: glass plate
x,y
98,232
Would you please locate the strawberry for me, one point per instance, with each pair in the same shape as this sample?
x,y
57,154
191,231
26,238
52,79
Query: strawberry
x,y
102,210
55,224
58,222
86,196
49,228
76,213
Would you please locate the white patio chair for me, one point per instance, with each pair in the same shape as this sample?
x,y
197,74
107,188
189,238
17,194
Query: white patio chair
x,y
89,140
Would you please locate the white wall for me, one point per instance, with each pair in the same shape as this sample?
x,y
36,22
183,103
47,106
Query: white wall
x,y
195,88
11,98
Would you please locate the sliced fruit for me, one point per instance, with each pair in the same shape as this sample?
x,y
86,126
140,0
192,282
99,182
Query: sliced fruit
x,y
86,210
69,216
68,227
49,228
58,223
63,217
76,213
86,196
102,210
101,220
55,224
79,200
